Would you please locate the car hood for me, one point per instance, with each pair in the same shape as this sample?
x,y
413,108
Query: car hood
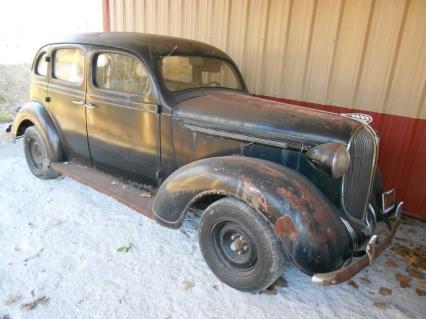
x,y
252,116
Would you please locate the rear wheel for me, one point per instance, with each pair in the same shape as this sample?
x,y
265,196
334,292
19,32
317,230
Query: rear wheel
x,y
239,246
36,154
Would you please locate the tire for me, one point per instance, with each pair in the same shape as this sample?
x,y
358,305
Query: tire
x,y
36,154
239,246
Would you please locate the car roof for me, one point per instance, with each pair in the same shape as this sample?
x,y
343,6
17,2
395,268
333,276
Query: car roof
x,y
145,44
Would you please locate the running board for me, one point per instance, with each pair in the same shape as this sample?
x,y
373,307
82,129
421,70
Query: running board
x,y
126,193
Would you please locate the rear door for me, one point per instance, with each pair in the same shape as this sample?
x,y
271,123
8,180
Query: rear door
x,y
67,92
39,77
123,120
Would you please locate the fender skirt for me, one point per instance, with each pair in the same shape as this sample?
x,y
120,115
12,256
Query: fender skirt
x,y
306,223
36,113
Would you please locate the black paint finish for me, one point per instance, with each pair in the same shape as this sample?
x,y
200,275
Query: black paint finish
x,y
307,224
201,144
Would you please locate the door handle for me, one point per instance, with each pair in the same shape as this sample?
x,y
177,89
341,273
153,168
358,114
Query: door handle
x,y
78,102
91,106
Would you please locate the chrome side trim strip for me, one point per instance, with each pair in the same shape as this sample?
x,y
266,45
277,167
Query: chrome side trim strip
x,y
235,136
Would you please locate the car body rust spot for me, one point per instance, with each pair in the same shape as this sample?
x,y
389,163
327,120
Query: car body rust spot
x,y
299,202
285,227
248,192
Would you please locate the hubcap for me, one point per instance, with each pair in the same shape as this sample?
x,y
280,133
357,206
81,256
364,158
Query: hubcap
x,y
234,245
35,152
238,244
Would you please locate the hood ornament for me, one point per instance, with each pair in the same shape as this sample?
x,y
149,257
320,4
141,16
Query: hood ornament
x,y
365,118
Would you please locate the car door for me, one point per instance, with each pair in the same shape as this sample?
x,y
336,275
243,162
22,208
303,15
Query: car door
x,y
66,99
39,77
123,120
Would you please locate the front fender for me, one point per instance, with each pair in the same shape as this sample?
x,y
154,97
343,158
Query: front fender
x,y
306,223
34,113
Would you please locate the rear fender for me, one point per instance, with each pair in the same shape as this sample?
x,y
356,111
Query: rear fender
x,y
305,222
34,113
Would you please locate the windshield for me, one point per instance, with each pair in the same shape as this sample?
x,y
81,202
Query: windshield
x,y
189,72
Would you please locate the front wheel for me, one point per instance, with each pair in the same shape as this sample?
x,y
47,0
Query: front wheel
x,y
239,246
36,154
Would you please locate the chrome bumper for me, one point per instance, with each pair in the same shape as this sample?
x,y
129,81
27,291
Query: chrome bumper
x,y
376,245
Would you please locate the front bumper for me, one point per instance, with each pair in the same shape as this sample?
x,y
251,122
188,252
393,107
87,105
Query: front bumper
x,y
376,245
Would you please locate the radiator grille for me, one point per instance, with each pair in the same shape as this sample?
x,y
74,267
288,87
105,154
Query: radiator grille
x,y
357,181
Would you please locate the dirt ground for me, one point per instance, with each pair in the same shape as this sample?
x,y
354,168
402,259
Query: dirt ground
x,y
68,251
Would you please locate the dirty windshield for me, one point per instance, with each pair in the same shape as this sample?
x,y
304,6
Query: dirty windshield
x,y
189,72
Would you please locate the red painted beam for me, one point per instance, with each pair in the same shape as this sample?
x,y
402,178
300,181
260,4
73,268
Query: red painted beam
x,y
402,155
106,16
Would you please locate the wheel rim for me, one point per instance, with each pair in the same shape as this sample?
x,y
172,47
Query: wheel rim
x,y
234,246
35,153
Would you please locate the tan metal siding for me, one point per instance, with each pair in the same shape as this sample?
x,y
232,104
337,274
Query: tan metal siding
x,y
366,54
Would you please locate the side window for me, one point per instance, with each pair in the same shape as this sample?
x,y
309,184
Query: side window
x,y
41,65
120,73
68,65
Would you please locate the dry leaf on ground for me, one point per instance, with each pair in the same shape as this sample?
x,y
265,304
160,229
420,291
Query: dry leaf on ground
x,y
353,284
187,284
421,284
380,305
385,291
404,281
33,304
391,263
420,292
415,257
10,299
281,282
124,249
416,274
272,289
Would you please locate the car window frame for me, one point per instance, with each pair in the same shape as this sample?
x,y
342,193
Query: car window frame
x,y
236,72
37,62
149,96
57,81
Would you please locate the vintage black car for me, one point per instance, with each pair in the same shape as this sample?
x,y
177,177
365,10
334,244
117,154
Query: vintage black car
x,y
271,180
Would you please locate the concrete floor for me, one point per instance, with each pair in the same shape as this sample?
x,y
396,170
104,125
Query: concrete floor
x,y
60,240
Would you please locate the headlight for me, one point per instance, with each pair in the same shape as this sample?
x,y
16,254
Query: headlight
x,y
332,158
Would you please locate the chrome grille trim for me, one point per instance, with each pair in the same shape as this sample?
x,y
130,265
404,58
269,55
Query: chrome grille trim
x,y
357,182
352,233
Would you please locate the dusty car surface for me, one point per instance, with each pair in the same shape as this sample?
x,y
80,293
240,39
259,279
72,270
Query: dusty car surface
x,y
271,180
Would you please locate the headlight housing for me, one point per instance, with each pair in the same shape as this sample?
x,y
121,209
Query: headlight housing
x,y
332,158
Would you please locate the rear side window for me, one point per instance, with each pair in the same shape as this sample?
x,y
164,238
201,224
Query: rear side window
x,y
120,73
68,65
41,66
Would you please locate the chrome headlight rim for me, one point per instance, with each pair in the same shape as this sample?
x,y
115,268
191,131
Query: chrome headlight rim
x,y
331,158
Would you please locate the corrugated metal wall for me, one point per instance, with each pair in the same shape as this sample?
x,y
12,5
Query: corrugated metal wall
x,y
359,54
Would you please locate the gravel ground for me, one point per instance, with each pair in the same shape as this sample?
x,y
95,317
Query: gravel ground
x,y
61,240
